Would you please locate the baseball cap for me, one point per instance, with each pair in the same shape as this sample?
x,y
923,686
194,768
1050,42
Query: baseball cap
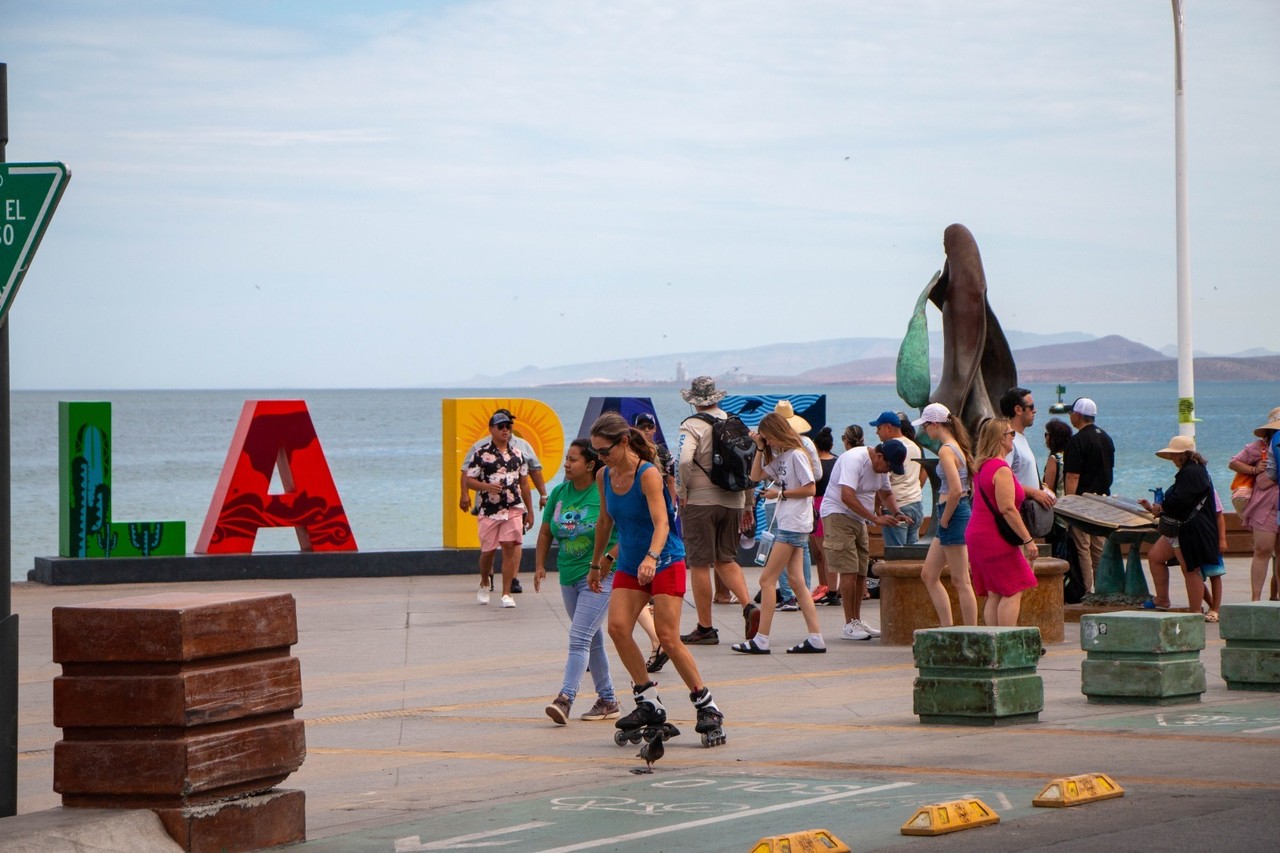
x,y
934,413
644,419
500,418
890,418
1086,407
895,453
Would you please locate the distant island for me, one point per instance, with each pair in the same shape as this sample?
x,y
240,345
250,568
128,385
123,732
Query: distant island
x,y
1069,357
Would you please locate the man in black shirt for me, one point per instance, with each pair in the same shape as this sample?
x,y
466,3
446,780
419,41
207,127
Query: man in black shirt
x,y
1088,461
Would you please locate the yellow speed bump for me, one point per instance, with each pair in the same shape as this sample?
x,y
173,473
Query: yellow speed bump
x,y
1077,790
941,818
806,841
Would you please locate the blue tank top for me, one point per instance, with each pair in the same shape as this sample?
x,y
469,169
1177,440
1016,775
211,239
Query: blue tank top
x,y
630,513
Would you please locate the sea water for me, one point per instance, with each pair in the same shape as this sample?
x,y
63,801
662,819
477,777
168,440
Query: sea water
x,y
383,447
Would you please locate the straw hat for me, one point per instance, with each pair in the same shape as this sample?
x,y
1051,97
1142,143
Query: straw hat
x,y
797,423
1273,423
1178,445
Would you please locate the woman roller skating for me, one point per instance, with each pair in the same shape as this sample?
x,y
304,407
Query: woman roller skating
x,y
650,565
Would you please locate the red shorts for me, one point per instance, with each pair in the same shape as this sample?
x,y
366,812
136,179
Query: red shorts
x,y
669,581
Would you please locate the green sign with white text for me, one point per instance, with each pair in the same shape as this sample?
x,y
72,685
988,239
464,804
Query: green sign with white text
x,y
29,194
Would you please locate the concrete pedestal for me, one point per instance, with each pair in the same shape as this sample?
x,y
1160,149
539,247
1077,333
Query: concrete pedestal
x,y
1142,658
183,703
905,607
978,676
1251,659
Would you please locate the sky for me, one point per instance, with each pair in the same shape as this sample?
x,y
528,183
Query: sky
x,y
401,194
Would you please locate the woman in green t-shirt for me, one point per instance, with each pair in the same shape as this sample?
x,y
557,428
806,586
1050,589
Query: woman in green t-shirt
x,y
570,518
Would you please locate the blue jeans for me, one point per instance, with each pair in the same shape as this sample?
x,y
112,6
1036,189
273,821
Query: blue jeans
x,y
801,539
910,534
587,609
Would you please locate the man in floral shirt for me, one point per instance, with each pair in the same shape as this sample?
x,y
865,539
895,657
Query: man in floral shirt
x,y
499,475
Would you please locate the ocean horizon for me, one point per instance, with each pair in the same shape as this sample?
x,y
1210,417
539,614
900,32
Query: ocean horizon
x,y
383,446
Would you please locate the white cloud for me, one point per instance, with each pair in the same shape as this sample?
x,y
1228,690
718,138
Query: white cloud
x,y
472,186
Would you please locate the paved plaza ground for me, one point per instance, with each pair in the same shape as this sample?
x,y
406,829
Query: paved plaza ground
x,y
425,731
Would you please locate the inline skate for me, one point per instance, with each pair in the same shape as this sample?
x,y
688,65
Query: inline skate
x,y
649,718
710,720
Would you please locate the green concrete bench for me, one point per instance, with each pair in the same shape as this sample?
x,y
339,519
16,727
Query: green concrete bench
x,y
1140,658
1251,659
978,676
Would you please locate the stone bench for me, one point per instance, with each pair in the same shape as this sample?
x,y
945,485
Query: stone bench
x,y
905,607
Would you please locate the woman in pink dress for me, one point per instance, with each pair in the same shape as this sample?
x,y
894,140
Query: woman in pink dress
x,y
1259,514
1001,571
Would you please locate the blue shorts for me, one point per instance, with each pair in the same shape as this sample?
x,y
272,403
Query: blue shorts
x,y
1217,570
787,537
953,534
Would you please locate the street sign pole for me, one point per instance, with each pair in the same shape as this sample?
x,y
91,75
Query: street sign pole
x,y
29,194
8,619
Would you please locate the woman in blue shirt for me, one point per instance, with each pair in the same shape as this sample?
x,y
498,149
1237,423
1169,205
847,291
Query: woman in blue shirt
x,y
650,565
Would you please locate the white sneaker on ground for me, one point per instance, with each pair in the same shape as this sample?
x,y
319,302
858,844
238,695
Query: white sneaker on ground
x,y
482,595
874,632
508,601
854,631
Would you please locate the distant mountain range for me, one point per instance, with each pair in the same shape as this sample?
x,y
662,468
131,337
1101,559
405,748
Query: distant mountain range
x,y
1065,357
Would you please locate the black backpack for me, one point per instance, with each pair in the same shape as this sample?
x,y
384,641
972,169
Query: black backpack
x,y
732,452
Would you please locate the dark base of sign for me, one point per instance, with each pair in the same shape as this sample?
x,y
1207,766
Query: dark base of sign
x,y
282,565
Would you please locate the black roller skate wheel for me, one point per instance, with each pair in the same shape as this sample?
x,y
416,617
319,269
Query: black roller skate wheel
x,y
620,737
714,738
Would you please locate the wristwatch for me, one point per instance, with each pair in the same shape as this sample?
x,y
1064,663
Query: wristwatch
x,y
653,555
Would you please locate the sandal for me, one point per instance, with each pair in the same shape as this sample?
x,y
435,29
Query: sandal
x,y
657,660
1211,616
750,648
806,648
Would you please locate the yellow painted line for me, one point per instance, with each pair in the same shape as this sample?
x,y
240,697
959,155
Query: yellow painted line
x,y
439,714
709,759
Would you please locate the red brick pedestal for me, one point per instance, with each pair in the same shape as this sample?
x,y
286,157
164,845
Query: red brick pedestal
x,y
183,703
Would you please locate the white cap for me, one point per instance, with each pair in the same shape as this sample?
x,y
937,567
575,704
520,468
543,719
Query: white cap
x,y
934,413
1086,407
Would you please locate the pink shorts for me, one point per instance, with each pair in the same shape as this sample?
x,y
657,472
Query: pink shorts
x,y
669,581
495,531
817,516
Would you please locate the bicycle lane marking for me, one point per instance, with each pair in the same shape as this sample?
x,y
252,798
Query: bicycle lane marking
x,y
738,815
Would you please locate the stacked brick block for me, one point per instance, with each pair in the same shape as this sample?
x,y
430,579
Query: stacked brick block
x,y
183,703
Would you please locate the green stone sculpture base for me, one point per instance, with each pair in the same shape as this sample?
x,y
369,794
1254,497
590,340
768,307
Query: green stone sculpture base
x,y
1251,660
978,676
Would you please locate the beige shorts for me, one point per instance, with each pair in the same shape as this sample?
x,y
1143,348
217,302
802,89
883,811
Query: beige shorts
x,y
847,545
710,535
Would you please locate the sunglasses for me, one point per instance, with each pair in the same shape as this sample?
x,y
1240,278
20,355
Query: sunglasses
x,y
1010,432
605,451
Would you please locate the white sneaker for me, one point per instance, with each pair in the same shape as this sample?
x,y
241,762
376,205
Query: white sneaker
x,y
508,601
854,631
482,595
874,632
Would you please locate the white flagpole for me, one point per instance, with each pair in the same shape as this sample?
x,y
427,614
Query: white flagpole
x,y
1186,364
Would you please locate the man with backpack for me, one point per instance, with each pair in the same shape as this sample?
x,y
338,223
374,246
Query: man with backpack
x,y
713,486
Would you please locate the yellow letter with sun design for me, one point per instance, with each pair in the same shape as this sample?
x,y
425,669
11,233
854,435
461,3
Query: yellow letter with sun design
x,y
466,420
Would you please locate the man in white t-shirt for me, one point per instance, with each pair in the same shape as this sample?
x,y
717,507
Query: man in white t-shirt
x,y
858,480
1018,406
908,486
